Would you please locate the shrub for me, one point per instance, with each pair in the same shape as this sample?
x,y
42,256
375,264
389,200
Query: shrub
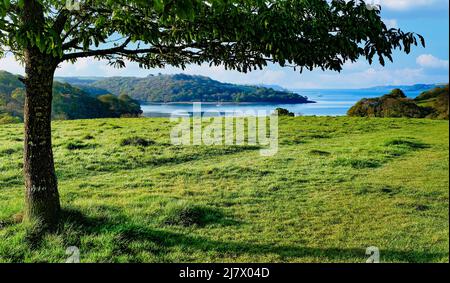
x,y
394,105
437,99
396,93
284,112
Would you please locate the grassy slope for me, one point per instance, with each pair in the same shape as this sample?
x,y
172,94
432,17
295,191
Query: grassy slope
x,y
337,186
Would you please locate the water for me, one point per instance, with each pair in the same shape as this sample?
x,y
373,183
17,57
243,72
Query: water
x,y
330,102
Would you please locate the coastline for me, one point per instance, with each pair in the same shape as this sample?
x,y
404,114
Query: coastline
x,y
222,103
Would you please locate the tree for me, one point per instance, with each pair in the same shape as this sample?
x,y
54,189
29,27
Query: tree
x,y
240,34
284,112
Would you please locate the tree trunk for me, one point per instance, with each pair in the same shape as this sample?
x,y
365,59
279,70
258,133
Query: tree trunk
x,y
41,197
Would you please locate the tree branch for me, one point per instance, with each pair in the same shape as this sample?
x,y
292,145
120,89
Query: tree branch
x,y
100,52
60,21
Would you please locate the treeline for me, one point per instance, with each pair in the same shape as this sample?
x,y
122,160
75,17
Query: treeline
x,y
186,88
68,102
430,104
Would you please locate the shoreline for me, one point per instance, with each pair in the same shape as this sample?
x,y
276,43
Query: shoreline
x,y
224,103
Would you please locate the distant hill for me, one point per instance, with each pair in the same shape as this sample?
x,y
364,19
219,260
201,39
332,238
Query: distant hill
x,y
404,88
275,87
429,104
68,102
186,88
78,80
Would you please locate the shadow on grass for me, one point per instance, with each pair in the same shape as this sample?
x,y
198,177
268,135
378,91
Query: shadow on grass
x,y
285,252
409,143
187,214
132,240
103,162
77,219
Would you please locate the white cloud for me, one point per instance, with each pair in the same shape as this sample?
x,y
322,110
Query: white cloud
x,y
368,77
402,5
373,77
429,61
391,23
94,67
355,75
9,64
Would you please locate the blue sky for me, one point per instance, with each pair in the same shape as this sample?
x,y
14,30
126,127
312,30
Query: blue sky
x,y
423,65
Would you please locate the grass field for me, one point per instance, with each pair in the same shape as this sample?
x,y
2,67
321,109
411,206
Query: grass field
x,y
336,187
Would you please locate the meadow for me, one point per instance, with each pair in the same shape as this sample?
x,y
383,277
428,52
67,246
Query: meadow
x,y
337,186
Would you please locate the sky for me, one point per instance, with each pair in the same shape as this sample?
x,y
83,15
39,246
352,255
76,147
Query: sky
x,y
429,18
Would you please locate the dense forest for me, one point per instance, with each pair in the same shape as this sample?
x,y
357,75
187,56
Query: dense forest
x,y
429,104
186,88
68,102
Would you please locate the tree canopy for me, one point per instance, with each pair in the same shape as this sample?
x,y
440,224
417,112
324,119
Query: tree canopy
x,y
240,34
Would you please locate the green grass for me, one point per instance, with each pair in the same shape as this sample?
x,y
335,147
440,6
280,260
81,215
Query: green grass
x,y
336,187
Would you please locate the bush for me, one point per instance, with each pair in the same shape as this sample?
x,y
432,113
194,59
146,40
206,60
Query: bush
x,y
437,99
393,105
430,104
284,112
396,93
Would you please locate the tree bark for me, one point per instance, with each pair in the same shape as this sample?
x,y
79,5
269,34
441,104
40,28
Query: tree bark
x,y
41,196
